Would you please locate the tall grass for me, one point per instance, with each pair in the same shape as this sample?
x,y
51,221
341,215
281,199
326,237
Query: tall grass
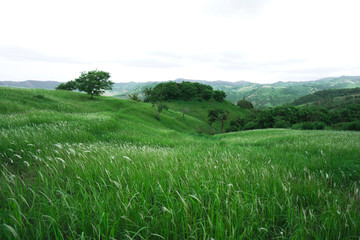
x,y
94,173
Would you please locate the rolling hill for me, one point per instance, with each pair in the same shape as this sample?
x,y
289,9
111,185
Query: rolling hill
x,y
331,99
75,168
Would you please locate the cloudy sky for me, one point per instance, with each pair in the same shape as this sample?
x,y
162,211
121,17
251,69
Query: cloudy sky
x,y
260,41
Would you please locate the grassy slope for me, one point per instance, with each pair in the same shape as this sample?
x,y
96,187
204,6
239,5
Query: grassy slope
x,y
107,169
200,110
332,98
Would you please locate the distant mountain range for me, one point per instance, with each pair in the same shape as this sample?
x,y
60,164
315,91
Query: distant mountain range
x,y
261,95
31,84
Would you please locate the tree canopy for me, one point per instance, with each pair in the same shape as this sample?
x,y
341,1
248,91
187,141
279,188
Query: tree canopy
x,y
185,91
93,83
218,115
244,104
69,86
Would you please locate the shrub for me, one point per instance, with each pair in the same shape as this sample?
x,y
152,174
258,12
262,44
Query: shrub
x,y
281,123
244,104
309,126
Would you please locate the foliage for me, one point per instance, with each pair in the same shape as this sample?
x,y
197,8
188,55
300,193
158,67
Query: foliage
x,y
236,124
185,91
306,117
327,97
309,126
69,86
218,115
219,95
134,97
244,104
93,83
159,107
148,95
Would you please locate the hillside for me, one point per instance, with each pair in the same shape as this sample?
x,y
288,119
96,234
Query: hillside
x,y
75,168
44,106
331,99
200,110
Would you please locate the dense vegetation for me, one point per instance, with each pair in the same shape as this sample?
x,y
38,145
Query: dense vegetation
x,y
74,168
331,98
305,118
329,109
185,91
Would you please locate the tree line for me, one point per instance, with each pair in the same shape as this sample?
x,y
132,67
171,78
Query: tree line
x,y
306,118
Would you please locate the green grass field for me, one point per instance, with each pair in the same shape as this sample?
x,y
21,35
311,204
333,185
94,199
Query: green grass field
x,y
74,168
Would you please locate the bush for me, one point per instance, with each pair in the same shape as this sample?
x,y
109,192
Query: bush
x,y
134,97
349,126
281,123
244,104
251,125
236,125
68,86
309,126
39,96
219,95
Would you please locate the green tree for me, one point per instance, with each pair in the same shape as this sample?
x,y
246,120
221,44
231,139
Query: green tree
x,y
236,124
188,90
94,82
159,107
218,115
69,86
219,95
207,94
134,97
244,104
147,94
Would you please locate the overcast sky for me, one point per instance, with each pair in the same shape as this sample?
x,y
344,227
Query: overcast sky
x,y
260,41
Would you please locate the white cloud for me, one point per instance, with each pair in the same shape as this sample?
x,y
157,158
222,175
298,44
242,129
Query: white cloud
x,y
139,40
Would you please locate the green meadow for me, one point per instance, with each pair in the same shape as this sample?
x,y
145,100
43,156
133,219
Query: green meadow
x,y
75,168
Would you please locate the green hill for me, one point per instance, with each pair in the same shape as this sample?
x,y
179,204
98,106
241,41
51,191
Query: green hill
x,y
200,110
75,168
44,106
331,99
